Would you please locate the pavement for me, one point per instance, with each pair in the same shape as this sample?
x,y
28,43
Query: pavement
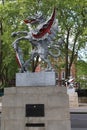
x,y
82,108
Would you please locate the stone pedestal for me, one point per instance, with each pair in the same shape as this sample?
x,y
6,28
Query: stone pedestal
x,y
35,108
73,97
36,79
73,100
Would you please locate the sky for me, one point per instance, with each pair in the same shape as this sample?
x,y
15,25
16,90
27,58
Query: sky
x,y
83,54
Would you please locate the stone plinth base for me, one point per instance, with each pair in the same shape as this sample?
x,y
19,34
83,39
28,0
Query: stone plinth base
x,y
36,79
47,109
73,100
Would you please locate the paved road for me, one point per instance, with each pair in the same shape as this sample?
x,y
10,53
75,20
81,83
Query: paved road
x,y
78,128
79,121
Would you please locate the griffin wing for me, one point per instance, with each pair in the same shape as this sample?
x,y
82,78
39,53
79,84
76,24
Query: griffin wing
x,y
47,29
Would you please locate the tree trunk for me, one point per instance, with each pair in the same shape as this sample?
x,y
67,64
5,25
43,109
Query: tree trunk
x,y
0,50
66,65
67,55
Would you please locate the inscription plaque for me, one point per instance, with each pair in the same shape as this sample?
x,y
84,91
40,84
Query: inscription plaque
x,y
34,110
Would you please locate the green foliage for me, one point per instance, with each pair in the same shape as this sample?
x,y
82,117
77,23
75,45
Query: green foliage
x,y
72,17
81,68
82,74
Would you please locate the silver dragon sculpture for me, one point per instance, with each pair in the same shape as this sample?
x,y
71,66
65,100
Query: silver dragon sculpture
x,y
42,39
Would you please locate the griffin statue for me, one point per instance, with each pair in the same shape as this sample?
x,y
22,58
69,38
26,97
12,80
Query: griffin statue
x,y
42,39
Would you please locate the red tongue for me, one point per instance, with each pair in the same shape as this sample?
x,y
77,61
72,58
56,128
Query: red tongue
x,y
29,21
26,21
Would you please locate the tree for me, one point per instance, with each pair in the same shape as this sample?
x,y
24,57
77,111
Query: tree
x,y
73,19
1,33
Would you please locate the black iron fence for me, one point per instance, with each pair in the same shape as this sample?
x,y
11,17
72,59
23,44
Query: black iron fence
x,y
1,92
82,92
